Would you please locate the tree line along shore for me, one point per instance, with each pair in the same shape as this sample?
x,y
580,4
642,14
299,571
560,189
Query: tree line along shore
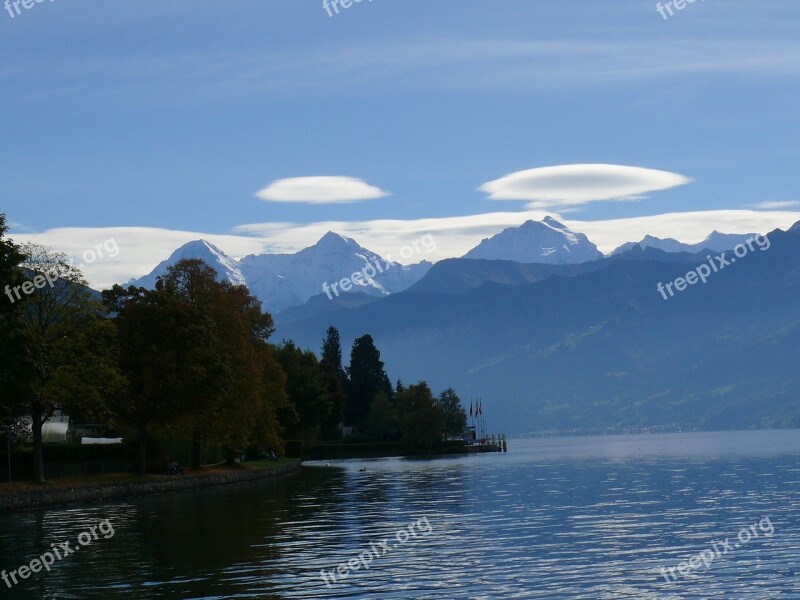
x,y
190,362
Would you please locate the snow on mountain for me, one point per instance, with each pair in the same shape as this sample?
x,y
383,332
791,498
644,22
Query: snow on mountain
x,y
224,265
546,241
284,280
331,259
716,242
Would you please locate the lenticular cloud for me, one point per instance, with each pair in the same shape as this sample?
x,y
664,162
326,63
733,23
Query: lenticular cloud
x,y
567,185
320,190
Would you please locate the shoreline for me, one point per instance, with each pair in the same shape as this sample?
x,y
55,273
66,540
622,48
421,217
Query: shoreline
x,y
31,499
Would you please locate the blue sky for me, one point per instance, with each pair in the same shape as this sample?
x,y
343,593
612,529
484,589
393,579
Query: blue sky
x,y
159,122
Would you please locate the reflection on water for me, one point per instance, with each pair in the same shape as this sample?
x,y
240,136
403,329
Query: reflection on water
x,y
563,518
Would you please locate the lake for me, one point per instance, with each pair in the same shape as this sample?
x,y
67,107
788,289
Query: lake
x,y
591,517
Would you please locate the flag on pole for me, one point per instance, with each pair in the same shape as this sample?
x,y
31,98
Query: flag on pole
x,y
470,409
479,410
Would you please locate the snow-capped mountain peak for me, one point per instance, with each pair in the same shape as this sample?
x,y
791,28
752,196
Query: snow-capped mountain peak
x,y
284,280
226,267
547,241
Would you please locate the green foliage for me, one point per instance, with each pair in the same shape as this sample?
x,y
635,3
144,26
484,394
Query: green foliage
x,y
64,358
335,379
170,354
381,424
189,361
233,411
453,414
366,379
11,331
306,390
332,353
421,418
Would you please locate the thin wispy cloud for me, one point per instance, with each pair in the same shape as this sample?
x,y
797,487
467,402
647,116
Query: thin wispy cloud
x,y
777,205
484,64
142,248
572,185
320,190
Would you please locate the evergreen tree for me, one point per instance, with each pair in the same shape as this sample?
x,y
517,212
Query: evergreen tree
x,y
366,379
332,353
335,378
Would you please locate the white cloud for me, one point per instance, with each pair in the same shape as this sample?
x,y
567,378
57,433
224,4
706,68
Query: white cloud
x,y
457,235
320,190
571,185
777,205
688,227
142,248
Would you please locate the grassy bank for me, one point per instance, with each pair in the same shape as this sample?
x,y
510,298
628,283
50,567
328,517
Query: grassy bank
x,y
66,490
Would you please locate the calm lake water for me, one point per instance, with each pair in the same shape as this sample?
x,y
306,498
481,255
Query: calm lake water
x,y
561,518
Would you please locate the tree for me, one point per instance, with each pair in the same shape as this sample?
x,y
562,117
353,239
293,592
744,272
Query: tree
x,y
66,354
227,411
381,423
169,354
332,353
335,379
366,379
268,430
421,418
244,330
454,415
11,331
305,390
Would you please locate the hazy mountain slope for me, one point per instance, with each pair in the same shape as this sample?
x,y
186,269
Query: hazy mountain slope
x,y
715,242
603,350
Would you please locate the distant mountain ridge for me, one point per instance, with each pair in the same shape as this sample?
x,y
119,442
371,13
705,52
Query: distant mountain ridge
x,y
715,242
594,347
281,281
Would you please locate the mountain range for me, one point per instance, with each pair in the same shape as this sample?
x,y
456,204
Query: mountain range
x,y
715,242
594,347
565,340
529,252
281,281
